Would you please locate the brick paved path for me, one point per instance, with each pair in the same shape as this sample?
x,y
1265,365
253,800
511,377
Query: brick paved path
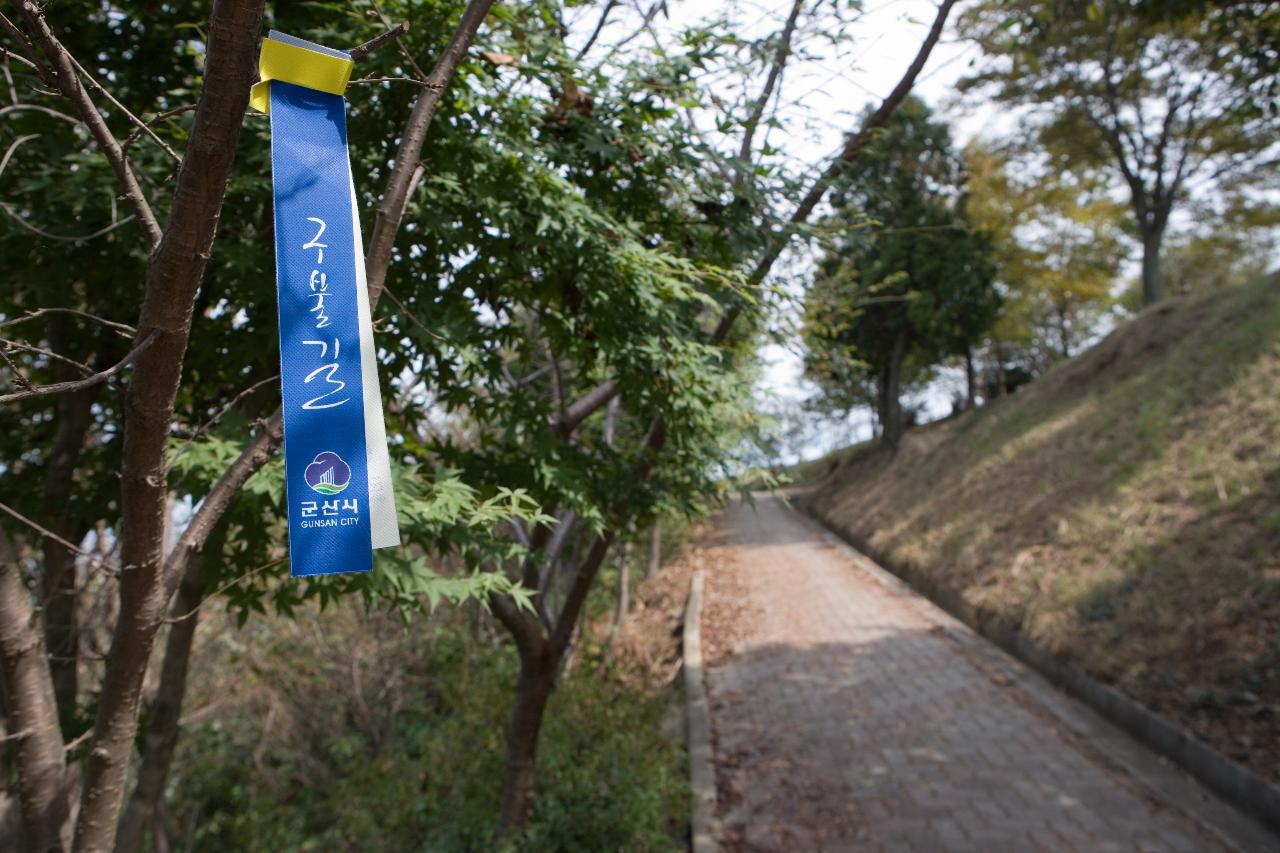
x,y
845,717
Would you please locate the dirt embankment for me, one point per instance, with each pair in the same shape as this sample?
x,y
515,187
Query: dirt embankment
x,y
1123,511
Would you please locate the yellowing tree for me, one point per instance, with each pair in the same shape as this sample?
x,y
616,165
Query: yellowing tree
x,y
1060,242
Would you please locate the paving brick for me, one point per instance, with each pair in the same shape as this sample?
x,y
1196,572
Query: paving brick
x,y
843,720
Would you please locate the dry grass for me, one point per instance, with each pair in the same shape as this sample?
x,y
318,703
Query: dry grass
x,y
1123,511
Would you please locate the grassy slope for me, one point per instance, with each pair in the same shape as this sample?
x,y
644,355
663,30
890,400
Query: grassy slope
x,y
1123,511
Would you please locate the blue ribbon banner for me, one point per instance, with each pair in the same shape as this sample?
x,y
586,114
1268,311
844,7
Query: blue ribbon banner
x,y
337,469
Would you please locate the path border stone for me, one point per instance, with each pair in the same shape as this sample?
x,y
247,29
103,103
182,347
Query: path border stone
x,y
1254,798
702,777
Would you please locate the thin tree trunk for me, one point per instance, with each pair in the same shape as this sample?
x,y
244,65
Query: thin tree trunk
x,y
166,711
1152,283
173,277
537,679
655,548
1002,380
61,626
527,717
540,657
970,381
32,715
891,392
624,586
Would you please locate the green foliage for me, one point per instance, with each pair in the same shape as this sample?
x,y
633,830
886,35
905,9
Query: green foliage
x,y
1171,104
424,771
911,287
1059,241
557,222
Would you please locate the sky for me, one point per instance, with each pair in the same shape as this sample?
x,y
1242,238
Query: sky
x,y
820,100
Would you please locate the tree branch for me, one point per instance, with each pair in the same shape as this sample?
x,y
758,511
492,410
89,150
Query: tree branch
x,y
775,73
852,149
595,34
89,381
361,51
43,531
68,82
525,628
215,504
158,117
403,178
173,276
572,416
28,51
142,126
122,328
396,198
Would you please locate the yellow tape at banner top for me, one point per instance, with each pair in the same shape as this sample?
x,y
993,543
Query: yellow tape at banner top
x,y
294,64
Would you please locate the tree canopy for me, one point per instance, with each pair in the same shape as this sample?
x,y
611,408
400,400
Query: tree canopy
x,y
906,280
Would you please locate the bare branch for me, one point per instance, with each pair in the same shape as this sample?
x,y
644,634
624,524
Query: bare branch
x,y
68,82
365,81
18,379
124,329
853,147
205,599
141,125
404,51
206,426
28,50
13,146
8,210
595,34
9,54
775,72
40,109
6,344
396,197
156,119
409,315
363,50
88,382
43,531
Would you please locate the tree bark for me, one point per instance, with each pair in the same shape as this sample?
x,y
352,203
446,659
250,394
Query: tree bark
x,y
173,275
655,548
970,380
1152,283
32,715
58,579
891,392
624,585
1002,380
537,678
166,711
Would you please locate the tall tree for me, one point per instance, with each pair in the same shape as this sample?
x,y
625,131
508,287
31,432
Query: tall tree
x,y
159,252
907,281
1059,242
1162,100
560,252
